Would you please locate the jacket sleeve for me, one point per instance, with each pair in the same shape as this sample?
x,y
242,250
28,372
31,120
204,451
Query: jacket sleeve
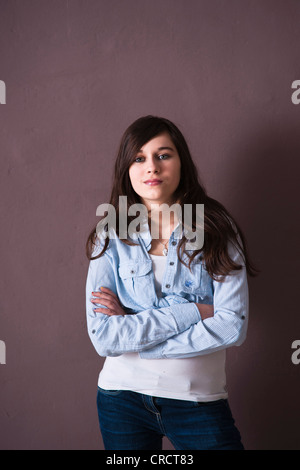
x,y
228,326
115,335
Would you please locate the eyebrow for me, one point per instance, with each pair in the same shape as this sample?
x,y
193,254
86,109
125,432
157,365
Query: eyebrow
x,y
161,148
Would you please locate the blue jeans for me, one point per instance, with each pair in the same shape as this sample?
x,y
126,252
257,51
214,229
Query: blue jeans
x,y
133,421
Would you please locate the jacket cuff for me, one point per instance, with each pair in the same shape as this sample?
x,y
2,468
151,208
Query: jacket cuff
x,y
185,315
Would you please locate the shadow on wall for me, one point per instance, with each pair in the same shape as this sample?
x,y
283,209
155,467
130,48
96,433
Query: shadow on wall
x,y
263,381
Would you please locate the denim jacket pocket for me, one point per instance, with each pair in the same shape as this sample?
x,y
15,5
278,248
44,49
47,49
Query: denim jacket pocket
x,y
199,283
192,281
137,279
134,269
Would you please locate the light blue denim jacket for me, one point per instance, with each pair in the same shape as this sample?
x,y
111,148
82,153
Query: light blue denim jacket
x,y
170,326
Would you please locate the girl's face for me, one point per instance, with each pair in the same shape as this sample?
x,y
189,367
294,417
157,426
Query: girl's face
x,y
155,172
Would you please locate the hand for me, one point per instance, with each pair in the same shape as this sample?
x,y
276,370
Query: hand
x,y
205,310
107,298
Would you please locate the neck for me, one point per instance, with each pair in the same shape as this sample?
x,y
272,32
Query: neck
x,y
162,225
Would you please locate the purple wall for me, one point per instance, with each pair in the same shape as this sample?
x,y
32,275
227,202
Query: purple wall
x,y
77,73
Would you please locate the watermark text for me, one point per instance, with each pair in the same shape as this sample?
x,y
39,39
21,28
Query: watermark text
x,y
2,92
106,228
296,95
296,354
2,352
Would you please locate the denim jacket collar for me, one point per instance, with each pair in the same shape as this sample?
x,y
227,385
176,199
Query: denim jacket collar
x,y
144,236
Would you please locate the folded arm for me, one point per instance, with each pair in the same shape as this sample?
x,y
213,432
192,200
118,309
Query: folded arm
x,y
113,335
227,327
180,329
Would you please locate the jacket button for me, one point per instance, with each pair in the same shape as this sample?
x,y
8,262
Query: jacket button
x,y
93,331
174,243
171,263
132,271
168,286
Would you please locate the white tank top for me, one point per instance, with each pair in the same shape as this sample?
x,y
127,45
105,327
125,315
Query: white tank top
x,y
200,378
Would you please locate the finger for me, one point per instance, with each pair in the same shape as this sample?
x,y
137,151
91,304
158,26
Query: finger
x,y
106,290
106,300
102,295
108,295
97,294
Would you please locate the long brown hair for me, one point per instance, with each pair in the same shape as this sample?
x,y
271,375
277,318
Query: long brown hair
x,y
219,225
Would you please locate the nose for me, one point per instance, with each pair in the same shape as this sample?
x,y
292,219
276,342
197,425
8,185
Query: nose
x,y
153,166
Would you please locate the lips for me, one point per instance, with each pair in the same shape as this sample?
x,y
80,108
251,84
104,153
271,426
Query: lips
x,y
153,182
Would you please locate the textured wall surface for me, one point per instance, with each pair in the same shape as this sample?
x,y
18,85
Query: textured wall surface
x,y
77,73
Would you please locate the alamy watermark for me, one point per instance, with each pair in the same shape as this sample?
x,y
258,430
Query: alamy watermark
x,y
139,227
296,354
296,95
2,92
2,352
2,101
